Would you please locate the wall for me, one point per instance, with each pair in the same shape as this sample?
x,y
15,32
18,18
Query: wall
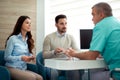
x,y
40,31
78,14
10,10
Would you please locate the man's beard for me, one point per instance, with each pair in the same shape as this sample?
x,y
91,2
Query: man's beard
x,y
63,30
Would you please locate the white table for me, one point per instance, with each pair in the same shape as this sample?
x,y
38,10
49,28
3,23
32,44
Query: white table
x,y
65,64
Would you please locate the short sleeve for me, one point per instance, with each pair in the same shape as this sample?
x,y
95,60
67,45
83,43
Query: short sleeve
x,y
98,39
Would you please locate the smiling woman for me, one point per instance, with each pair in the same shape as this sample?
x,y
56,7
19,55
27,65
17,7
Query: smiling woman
x,y
18,51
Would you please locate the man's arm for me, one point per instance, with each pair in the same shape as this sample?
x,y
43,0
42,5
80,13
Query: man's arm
x,y
46,48
88,55
73,43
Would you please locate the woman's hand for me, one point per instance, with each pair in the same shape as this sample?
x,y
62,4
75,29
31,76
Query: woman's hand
x,y
28,58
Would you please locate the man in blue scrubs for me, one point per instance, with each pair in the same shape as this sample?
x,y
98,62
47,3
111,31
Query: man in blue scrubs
x,y
105,39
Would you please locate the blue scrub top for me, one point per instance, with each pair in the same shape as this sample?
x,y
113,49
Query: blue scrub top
x,y
106,40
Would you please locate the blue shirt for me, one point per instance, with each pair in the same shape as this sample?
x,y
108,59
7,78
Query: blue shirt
x,y
106,40
16,47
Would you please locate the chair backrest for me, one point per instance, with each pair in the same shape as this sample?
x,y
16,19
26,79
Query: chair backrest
x,y
2,61
40,65
39,58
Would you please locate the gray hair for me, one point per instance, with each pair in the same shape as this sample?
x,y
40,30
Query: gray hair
x,y
103,7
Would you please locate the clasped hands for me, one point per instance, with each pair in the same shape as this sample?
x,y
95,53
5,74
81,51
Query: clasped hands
x,y
68,52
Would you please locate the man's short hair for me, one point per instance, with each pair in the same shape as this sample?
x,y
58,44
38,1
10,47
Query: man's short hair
x,y
59,17
103,7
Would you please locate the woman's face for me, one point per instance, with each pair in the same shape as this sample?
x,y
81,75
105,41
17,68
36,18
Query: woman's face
x,y
26,26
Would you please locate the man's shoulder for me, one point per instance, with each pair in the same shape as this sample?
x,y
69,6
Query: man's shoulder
x,y
51,34
69,35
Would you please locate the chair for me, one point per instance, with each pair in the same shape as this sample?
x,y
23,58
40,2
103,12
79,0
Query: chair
x,y
46,71
116,70
4,72
41,69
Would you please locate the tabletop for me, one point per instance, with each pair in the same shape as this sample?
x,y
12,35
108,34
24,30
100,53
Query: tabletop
x,y
67,64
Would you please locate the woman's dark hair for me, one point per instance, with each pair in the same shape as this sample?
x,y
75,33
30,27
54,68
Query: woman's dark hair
x,y
17,30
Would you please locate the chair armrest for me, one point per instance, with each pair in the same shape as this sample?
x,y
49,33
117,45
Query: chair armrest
x,y
4,73
117,69
114,71
32,67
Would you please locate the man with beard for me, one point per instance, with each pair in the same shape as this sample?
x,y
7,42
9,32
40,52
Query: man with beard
x,y
56,43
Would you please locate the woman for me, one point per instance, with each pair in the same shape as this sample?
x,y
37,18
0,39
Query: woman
x,y
18,51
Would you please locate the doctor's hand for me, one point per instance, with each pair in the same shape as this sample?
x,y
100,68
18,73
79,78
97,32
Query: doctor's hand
x,y
70,52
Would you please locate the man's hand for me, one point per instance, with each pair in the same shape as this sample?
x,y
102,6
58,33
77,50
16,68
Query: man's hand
x,y
59,50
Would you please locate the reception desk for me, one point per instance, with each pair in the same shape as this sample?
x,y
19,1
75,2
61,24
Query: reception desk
x,y
73,64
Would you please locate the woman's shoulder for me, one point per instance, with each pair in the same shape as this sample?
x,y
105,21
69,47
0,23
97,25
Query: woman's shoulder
x,y
12,37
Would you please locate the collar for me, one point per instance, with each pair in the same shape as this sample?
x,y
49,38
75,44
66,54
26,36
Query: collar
x,y
60,35
20,36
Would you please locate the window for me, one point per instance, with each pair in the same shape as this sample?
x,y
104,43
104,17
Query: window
x,y
78,13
